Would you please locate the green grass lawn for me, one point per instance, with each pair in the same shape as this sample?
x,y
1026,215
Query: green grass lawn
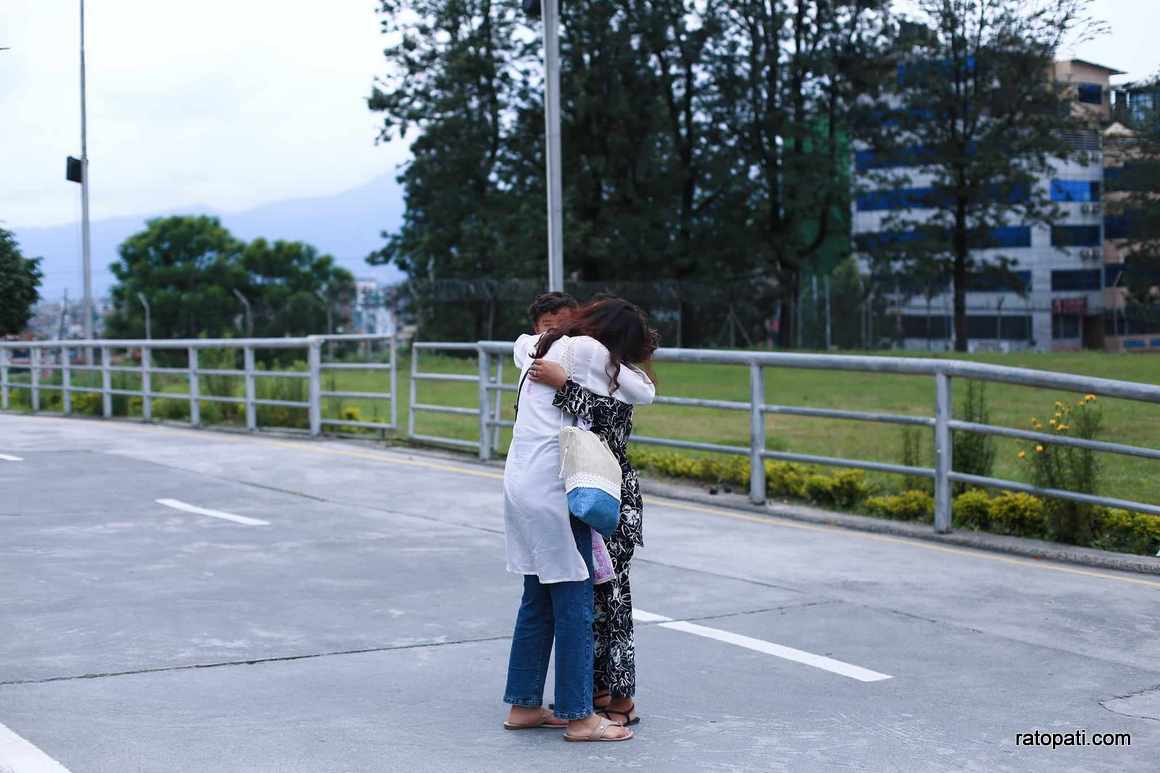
x,y
1124,421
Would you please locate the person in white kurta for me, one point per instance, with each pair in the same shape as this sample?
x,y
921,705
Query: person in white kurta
x,y
536,519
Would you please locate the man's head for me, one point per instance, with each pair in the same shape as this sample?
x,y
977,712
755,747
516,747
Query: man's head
x,y
550,310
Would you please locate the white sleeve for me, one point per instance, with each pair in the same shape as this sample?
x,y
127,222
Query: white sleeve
x,y
635,386
590,362
525,347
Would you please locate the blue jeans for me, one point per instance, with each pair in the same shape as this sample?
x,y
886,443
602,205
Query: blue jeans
x,y
562,610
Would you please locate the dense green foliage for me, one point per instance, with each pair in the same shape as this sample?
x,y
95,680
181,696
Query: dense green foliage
x,y
189,268
703,144
706,147
19,279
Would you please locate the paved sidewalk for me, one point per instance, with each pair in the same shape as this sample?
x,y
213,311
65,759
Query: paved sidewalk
x,y
197,601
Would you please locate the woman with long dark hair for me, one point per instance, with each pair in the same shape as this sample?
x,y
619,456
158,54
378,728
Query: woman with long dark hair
x,y
552,550
623,329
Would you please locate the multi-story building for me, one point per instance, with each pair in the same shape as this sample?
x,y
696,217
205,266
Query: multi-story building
x,y
1134,105
1060,268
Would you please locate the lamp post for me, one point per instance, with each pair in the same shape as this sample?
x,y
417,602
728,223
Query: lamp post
x,y
550,11
86,259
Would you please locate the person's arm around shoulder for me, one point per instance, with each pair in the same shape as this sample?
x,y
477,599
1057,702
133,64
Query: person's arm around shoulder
x,y
635,386
590,368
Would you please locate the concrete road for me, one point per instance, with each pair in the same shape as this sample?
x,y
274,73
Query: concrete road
x,y
173,600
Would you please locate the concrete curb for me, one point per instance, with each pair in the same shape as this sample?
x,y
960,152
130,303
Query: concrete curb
x,y
996,543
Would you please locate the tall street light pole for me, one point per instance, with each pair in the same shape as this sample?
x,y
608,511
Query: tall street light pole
x,y
551,13
86,258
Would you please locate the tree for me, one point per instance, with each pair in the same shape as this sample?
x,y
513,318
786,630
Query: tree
x,y
452,75
19,279
296,290
680,165
973,107
789,77
190,267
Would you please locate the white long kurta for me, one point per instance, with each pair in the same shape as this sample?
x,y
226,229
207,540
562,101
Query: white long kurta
x,y
536,520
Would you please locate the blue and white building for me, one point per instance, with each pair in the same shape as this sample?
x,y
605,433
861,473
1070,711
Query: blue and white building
x,y
1061,267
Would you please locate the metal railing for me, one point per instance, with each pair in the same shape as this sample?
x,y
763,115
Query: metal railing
x,y
490,386
58,356
942,423
493,381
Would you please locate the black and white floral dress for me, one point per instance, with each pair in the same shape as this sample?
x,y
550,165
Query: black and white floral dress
x,y
615,647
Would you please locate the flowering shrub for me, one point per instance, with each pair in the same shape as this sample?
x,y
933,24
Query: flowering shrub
x,y
1067,467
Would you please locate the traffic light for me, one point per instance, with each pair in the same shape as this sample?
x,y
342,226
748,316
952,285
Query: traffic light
x,y
74,170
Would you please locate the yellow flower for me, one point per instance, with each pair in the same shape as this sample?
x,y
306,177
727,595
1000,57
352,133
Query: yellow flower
x,y
1063,427
1058,403
1089,398
1035,423
1053,421
1038,449
1022,454
1079,403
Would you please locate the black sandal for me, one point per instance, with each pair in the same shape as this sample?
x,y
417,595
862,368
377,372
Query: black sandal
x,y
629,720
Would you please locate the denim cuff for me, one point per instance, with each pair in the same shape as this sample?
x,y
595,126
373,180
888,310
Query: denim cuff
x,y
527,703
570,715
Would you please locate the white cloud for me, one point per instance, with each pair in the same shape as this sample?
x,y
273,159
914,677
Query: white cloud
x,y
225,103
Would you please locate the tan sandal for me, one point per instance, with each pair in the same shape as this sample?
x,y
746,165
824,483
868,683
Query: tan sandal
x,y
599,733
547,719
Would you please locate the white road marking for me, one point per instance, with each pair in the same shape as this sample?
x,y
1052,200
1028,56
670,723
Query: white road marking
x,y
19,756
641,616
10,458
177,504
767,647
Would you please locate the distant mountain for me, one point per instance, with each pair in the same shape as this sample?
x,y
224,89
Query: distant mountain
x,y
346,225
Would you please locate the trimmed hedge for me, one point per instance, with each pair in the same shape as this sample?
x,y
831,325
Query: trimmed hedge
x,y
910,505
844,488
1012,513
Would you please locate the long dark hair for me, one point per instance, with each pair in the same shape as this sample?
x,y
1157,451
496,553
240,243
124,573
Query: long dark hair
x,y
621,326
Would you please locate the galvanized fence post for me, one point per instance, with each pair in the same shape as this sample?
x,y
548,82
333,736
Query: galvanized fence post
x,y
194,389
942,453
250,389
756,434
394,382
496,430
106,384
484,410
4,379
314,365
65,382
146,383
34,368
413,390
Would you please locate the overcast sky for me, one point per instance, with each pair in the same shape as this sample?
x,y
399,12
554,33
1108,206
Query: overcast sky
x,y
225,103
233,103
